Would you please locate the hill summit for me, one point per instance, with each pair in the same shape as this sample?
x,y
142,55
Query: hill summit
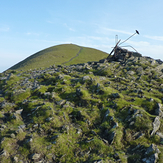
x,y
95,112
65,54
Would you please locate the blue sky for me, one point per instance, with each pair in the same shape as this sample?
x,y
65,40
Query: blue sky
x,y
28,26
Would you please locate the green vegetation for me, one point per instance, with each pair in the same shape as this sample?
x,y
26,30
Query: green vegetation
x,y
60,54
80,113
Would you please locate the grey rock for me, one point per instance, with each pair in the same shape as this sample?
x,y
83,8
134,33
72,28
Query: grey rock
x,y
22,126
139,70
150,100
18,92
159,68
35,156
137,135
86,78
115,95
102,78
3,126
15,159
79,67
88,141
54,137
156,125
12,135
10,76
3,153
111,137
79,131
47,95
33,110
6,104
115,125
152,159
60,76
1,129
159,134
19,111
36,125
152,148
15,116
49,147
2,140
154,151
49,119
105,141
106,114
29,140
98,85
137,147
61,102
131,72
158,110
153,62
19,131
131,123
3,78
54,157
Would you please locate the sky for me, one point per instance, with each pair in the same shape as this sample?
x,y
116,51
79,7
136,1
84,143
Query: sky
x,y
28,26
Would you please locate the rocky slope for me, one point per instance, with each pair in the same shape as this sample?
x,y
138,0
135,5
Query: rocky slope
x,y
93,112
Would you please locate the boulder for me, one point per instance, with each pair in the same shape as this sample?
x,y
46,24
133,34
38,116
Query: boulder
x,y
15,159
152,159
156,125
35,156
151,154
158,110
86,78
115,95
139,70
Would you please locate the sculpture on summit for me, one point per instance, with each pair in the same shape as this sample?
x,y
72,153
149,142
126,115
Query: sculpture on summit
x,y
120,53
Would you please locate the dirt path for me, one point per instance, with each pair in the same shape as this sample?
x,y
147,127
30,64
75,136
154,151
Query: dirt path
x,y
75,56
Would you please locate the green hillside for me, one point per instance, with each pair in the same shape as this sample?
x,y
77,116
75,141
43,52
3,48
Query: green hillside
x,y
95,112
61,54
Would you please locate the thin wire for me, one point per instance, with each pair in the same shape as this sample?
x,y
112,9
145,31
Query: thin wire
x,y
131,47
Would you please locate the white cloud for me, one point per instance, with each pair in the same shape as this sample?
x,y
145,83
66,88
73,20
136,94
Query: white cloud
x,y
105,30
158,38
147,49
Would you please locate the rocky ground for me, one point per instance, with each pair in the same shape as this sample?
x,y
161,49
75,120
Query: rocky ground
x,y
95,112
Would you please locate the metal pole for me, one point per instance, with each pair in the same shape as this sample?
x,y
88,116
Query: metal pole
x,y
129,37
116,39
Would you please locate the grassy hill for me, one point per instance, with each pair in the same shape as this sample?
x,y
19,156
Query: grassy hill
x,y
61,54
109,111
